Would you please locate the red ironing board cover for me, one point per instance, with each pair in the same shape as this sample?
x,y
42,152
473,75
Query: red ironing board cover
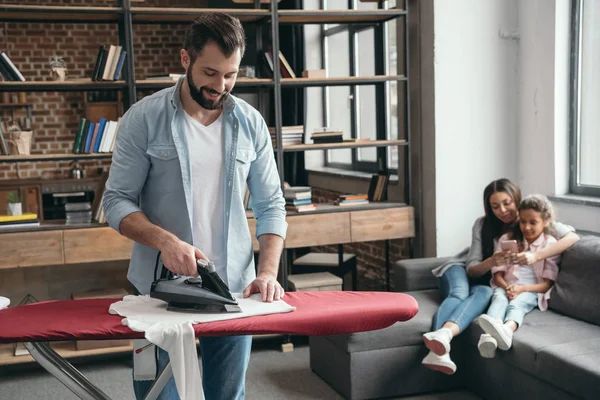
x,y
316,314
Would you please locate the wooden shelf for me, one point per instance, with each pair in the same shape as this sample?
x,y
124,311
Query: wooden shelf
x,y
65,349
340,81
54,157
70,85
344,145
15,105
14,12
337,16
161,84
186,15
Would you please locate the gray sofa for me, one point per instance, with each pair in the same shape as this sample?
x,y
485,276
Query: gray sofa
x,y
555,354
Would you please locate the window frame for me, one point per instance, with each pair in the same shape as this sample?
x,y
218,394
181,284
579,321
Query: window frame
x,y
575,185
356,163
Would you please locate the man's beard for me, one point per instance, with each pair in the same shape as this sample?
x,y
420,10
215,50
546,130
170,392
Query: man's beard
x,y
199,98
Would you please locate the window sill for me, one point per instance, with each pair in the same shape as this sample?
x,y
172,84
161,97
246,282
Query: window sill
x,y
344,173
576,199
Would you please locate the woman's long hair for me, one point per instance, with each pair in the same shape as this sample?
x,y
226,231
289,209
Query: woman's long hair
x,y
542,205
493,228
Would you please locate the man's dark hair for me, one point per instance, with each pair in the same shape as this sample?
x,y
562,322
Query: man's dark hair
x,y
226,31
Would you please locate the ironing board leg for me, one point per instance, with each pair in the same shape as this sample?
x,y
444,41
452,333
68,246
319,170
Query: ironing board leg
x,y
66,373
159,383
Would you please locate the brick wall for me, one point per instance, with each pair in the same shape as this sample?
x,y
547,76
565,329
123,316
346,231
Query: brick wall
x,y
370,256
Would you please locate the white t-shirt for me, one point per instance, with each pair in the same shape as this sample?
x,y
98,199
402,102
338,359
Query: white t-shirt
x,y
526,275
206,157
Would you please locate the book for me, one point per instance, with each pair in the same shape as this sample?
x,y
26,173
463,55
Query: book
x,y
16,218
99,61
79,135
15,71
88,138
120,64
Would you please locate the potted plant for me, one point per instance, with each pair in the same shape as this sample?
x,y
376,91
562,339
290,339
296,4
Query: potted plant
x,y
14,204
58,68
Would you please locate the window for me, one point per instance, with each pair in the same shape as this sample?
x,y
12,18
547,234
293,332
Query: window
x,y
585,98
350,50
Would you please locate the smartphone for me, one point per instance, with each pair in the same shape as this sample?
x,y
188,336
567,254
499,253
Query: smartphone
x,y
510,245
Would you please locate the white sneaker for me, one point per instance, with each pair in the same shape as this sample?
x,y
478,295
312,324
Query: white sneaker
x,y
487,346
438,341
441,364
497,330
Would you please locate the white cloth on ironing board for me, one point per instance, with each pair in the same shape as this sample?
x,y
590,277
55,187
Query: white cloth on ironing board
x,y
173,332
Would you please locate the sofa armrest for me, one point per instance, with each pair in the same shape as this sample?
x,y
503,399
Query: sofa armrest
x,y
415,274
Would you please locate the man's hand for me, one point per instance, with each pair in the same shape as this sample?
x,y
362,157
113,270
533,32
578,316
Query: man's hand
x,y
268,286
526,258
180,257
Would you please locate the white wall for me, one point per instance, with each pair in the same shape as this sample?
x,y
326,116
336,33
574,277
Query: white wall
x,y
544,105
313,96
476,110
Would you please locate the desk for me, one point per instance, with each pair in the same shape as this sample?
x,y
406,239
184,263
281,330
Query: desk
x,y
57,244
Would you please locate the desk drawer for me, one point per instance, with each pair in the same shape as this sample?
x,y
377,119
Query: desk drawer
x,y
28,249
95,244
317,229
387,223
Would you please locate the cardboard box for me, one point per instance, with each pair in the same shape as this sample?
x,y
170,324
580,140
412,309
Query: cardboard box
x,y
314,73
100,294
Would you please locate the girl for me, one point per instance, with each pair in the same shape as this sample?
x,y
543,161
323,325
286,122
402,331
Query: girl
x,y
518,288
465,280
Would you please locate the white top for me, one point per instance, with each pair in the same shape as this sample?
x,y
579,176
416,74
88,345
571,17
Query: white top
x,y
526,275
205,145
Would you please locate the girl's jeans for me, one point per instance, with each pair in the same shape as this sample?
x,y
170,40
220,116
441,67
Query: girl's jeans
x,y
513,310
462,304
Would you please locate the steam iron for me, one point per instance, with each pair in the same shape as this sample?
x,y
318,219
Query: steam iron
x,y
205,294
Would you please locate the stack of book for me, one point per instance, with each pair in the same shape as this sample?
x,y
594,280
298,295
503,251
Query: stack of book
x,y
351,200
290,135
109,63
94,137
378,187
78,213
327,135
8,70
19,221
298,198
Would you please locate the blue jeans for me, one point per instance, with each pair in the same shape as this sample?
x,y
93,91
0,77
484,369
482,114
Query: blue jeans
x,y
224,363
462,302
513,310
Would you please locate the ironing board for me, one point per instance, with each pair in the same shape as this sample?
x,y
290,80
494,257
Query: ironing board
x,y
316,314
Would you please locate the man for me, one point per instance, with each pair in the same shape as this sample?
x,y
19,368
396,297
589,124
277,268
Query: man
x,y
182,160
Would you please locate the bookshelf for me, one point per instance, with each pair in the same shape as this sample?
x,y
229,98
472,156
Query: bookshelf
x,y
259,17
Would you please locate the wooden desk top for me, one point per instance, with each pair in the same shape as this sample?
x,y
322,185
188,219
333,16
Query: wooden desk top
x,y
59,225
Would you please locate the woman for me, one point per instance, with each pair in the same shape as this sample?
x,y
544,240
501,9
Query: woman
x,y
465,281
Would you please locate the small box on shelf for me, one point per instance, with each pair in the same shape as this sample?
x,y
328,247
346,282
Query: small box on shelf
x,y
314,73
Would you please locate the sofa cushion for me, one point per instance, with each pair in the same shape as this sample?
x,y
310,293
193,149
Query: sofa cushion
x,y
400,334
538,349
576,290
573,366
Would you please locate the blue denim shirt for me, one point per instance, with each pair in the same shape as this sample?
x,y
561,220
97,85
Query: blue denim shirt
x,y
151,173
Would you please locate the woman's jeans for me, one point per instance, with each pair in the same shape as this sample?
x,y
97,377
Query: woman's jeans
x,y
513,310
224,363
461,304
